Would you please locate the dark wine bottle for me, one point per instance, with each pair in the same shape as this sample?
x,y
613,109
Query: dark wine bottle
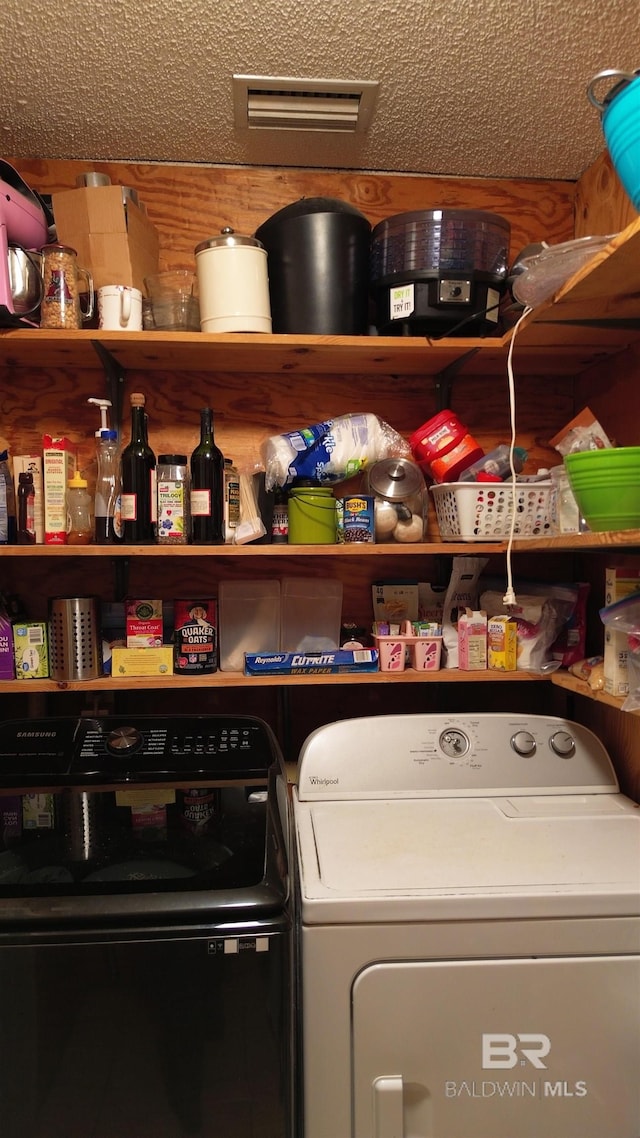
x,y
138,480
207,486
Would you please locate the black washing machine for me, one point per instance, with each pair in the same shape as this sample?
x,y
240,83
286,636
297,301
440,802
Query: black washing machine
x,y
145,931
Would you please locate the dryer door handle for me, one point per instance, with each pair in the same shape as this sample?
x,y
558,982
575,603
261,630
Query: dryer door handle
x,y
388,1106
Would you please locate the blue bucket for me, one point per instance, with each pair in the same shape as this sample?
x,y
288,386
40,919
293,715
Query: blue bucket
x,y
620,111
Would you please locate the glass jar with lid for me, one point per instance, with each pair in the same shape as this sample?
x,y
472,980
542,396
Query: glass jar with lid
x,y
401,500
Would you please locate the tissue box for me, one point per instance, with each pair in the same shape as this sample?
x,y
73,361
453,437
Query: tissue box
x,y
114,241
30,648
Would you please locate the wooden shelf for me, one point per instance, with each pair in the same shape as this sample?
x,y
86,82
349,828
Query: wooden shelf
x,y
238,679
579,687
594,315
565,543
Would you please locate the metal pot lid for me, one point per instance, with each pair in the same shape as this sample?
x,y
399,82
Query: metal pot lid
x,y
230,239
395,479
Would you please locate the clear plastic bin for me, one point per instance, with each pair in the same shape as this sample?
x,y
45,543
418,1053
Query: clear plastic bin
x,y
311,611
249,620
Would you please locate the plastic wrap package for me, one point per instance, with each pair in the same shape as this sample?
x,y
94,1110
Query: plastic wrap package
x,y
332,451
624,616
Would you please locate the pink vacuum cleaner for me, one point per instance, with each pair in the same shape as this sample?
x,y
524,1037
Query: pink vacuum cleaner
x,y
24,222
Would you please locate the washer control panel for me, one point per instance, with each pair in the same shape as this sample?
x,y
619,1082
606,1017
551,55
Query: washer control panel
x,y
432,754
115,748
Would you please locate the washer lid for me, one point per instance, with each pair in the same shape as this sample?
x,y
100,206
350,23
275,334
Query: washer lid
x,y
474,858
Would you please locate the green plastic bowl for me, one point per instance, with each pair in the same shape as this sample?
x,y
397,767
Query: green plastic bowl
x,y
606,486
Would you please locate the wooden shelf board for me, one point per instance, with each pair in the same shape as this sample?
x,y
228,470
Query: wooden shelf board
x,y
238,679
579,687
580,542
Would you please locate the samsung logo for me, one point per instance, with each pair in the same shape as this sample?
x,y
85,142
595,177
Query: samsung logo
x,y
37,734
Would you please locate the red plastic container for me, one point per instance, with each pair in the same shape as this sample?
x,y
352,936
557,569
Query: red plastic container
x,y
443,447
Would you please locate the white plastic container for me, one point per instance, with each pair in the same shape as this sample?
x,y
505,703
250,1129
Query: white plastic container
x,y
233,284
482,511
311,614
249,620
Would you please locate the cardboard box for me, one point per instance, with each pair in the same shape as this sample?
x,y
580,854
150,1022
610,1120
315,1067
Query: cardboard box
x,y
31,650
502,643
472,640
7,660
395,601
143,624
619,583
114,241
58,466
142,661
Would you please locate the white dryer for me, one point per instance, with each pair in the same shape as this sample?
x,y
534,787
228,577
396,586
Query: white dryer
x,y
469,902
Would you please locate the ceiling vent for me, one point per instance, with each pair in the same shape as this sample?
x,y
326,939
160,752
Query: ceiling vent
x,y
274,103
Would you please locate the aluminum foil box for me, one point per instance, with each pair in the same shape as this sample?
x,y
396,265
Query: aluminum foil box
x,y
311,663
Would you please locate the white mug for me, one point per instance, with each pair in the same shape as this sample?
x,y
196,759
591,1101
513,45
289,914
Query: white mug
x,y
120,308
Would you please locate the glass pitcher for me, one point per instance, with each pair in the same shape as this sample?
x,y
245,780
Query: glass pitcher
x,y
61,306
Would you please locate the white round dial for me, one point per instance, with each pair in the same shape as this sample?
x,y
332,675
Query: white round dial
x,y
523,743
563,744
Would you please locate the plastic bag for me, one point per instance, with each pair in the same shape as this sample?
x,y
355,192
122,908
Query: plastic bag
x,y
462,593
539,616
584,432
332,451
624,616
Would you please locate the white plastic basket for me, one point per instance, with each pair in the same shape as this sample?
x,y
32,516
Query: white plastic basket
x,y
482,511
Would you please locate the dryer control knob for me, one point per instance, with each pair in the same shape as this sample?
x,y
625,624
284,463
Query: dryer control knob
x,y
523,743
563,744
124,740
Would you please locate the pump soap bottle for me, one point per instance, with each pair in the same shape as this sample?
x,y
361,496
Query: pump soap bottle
x,y
107,509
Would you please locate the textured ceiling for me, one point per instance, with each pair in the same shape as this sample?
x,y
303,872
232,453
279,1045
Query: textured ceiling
x,y
467,87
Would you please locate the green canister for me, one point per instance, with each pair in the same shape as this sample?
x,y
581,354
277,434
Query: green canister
x,y
312,515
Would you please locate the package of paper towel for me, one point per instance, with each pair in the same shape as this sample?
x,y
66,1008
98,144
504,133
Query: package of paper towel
x,y
332,451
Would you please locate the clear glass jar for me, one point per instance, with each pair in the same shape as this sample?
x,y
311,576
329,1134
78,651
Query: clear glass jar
x,y
173,487
401,500
60,307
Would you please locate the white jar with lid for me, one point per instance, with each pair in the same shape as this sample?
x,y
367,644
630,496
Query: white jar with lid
x,y
233,284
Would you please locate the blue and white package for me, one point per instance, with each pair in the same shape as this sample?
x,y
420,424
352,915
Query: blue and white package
x,y
329,452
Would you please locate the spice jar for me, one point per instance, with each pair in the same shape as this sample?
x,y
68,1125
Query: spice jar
x,y
173,486
60,307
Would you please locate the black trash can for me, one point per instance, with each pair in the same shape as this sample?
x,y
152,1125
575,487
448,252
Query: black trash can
x,y
318,264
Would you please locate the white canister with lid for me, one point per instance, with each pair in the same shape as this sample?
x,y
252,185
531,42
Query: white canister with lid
x,y
233,284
